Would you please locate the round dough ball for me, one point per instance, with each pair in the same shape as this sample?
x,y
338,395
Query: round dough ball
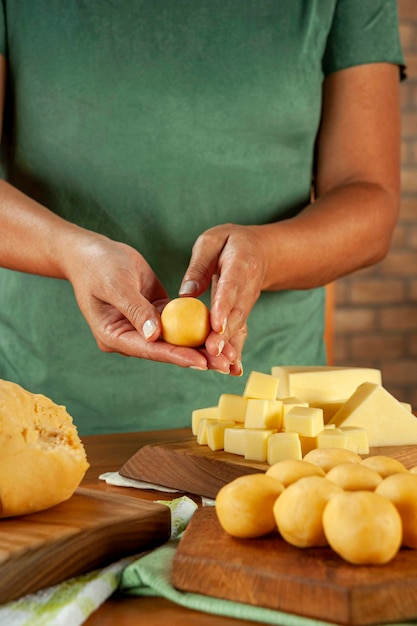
x,y
290,470
42,460
354,477
384,465
401,490
185,322
244,506
363,527
326,458
299,509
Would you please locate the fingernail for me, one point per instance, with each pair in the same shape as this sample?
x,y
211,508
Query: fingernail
x,y
190,286
222,372
149,328
220,347
239,367
196,367
224,325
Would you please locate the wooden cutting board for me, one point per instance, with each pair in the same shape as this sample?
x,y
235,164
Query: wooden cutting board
x,y
90,529
313,582
195,469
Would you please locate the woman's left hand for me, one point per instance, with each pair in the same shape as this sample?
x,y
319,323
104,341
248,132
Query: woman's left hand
x,y
232,259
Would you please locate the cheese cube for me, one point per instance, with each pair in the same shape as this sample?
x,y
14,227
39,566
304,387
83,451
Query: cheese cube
x,y
202,431
329,408
199,414
288,404
234,440
263,414
356,439
256,444
331,438
322,383
215,433
231,407
262,386
384,418
304,420
282,446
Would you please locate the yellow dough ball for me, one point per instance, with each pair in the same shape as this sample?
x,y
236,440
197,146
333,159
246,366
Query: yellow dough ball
x,y
185,322
384,465
289,471
401,490
363,527
244,506
299,509
354,477
326,458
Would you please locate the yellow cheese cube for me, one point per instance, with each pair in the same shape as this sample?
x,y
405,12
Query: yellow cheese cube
x,y
356,439
384,418
288,404
202,430
282,446
215,433
256,444
304,420
331,438
234,440
329,408
307,444
322,383
199,414
231,407
263,413
262,386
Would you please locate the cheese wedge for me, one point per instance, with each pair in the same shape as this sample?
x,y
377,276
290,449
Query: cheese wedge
x,y
385,419
322,383
202,430
260,385
263,414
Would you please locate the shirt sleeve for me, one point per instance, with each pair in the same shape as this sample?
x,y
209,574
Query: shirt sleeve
x,y
363,31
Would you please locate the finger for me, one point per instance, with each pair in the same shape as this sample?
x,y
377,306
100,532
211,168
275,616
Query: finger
x,y
120,336
238,342
203,262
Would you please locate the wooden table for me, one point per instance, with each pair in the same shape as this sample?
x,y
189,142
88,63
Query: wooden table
x,y
108,453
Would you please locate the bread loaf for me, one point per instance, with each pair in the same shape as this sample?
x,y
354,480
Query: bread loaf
x,y
42,459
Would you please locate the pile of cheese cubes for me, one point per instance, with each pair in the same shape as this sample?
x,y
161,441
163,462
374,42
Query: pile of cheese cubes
x,y
295,409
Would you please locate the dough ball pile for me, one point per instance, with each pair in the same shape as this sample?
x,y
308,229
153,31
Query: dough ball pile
x,y
42,459
364,509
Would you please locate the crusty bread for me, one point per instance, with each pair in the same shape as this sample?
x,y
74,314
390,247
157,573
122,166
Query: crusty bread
x,y
42,459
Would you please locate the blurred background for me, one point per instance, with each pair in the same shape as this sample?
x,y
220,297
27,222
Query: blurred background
x,y
375,315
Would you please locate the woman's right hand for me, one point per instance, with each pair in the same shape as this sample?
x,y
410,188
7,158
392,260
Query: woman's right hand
x,y
121,299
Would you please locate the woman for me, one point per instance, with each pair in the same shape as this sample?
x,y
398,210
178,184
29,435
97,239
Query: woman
x,y
156,148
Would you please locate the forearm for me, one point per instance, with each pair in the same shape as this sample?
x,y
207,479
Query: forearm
x,y
33,239
346,229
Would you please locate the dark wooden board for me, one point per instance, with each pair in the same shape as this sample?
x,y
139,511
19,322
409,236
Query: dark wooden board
x,y
90,529
195,469
313,582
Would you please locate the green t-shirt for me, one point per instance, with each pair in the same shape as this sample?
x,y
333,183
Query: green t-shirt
x,y
151,121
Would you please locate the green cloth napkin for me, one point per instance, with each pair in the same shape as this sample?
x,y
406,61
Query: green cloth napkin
x,y
151,576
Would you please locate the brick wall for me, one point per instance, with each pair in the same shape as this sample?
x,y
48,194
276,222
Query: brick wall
x,y
375,320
